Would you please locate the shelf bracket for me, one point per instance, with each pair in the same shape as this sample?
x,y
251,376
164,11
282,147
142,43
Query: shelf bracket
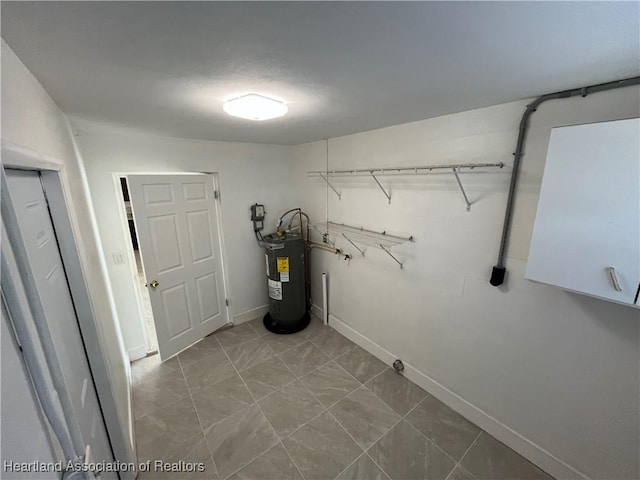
x,y
464,194
381,188
388,252
330,186
354,245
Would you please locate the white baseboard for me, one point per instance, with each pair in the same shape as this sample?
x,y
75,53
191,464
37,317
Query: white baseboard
x,y
525,447
260,311
317,311
137,353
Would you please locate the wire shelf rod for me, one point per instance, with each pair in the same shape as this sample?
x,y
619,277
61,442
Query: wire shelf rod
x,y
329,185
464,194
353,244
386,194
344,228
409,170
386,250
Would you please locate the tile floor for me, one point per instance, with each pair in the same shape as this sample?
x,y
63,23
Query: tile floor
x,y
253,405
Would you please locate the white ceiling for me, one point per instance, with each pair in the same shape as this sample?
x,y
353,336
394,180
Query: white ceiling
x,y
167,67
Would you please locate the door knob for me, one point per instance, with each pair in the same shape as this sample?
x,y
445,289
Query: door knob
x,y
153,284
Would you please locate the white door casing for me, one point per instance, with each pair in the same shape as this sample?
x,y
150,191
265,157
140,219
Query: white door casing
x,y
47,270
176,218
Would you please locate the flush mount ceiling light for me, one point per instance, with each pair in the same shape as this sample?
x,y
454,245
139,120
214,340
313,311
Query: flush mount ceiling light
x,y
255,107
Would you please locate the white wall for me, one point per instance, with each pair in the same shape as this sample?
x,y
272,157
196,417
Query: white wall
x,y
247,173
31,120
527,360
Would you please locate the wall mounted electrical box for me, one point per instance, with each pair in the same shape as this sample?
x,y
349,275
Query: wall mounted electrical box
x,y
257,216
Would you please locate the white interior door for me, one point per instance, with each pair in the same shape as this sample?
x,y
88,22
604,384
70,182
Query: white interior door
x,y
177,226
46,267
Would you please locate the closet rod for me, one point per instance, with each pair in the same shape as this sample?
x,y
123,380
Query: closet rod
x,y
342,227
415,170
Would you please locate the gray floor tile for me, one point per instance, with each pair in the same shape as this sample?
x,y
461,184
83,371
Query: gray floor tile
x,y
315,327
157,391
215,403
361,364
240,434
332,343
250,353
290,407
304,358
239,439
330,383
235,335
201,350
152,366
282,343
460,473
364,416
160,433
404,454
398,392
193,450
208,371
363,469
489,459
257,325
444,427
322,448
274,464
267,377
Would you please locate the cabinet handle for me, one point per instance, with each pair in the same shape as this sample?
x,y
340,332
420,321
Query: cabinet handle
x,y
614,279
637,294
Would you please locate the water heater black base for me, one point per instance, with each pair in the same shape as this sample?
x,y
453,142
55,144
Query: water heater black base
x,y
298,325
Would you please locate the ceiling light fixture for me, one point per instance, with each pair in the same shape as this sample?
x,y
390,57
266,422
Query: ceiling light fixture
x,y
255,107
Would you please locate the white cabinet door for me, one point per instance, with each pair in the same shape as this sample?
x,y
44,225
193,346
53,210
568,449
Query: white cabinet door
x,y
586,235
48,273
177,226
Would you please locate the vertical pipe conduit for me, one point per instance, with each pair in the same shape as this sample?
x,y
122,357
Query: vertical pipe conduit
x,y
499,270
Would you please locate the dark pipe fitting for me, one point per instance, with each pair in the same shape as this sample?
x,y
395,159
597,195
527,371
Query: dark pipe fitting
x,y
497,276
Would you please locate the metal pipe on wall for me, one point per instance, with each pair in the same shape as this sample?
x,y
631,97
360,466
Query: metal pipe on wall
x,y
327,248
499,270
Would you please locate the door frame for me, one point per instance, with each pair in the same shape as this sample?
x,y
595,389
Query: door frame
x,y
134,354
60,208
131,254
